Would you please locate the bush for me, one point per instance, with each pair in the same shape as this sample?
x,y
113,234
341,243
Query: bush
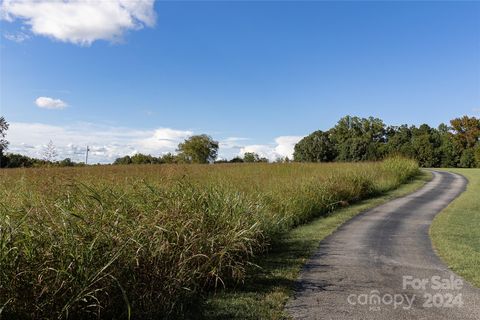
x,y
467,160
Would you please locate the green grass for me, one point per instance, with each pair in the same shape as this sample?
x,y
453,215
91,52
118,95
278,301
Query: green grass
x,y
151,241
455,232
268,286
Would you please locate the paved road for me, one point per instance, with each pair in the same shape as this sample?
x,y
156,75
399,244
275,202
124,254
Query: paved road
x,y
381,265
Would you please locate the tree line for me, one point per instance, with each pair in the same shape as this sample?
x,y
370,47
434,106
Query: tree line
x,y
351,139
195,149
369,139
13,160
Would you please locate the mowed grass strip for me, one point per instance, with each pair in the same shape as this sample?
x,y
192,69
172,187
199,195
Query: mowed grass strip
x,y
148,242
268,287
455,232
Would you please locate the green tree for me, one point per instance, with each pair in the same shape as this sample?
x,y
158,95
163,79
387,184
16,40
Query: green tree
x,y
198,149
3,142
236,159
426,142
140,158
450,149
12,160
358,139
168,158
123,160
477,155
67,162
467,130
251,157
316,147
263,159
467,160
399,141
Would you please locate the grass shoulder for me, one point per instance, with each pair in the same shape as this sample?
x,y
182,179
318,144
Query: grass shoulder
x,y
455,232
269,284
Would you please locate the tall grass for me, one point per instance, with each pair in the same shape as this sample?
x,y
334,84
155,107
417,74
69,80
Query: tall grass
x,y
145,242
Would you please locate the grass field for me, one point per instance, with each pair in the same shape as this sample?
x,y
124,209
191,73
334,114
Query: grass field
x,y
455,231
267,289
149,241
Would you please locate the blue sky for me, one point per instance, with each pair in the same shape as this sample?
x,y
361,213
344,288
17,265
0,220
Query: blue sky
x,y
257,76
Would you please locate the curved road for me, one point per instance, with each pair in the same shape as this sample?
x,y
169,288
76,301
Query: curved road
x,y
381,265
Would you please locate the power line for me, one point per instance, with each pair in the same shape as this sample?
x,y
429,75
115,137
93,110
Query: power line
x,y
86,155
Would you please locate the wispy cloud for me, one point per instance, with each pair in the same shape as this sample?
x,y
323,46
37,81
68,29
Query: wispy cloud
x,y
50,103
80,21
16,37
107,143
233,143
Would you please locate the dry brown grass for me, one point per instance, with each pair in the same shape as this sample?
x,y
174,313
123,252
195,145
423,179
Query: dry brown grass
x,y
146,241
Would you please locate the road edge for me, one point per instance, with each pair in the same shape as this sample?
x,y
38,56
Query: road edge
x,y
270,304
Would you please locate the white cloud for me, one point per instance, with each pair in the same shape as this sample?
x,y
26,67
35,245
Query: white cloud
x,y
164,138
263,150
50,103
16,37
81,21
107,143
232,143
282,148
285,145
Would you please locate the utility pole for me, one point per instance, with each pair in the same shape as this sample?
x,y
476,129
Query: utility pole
x,y
86,156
